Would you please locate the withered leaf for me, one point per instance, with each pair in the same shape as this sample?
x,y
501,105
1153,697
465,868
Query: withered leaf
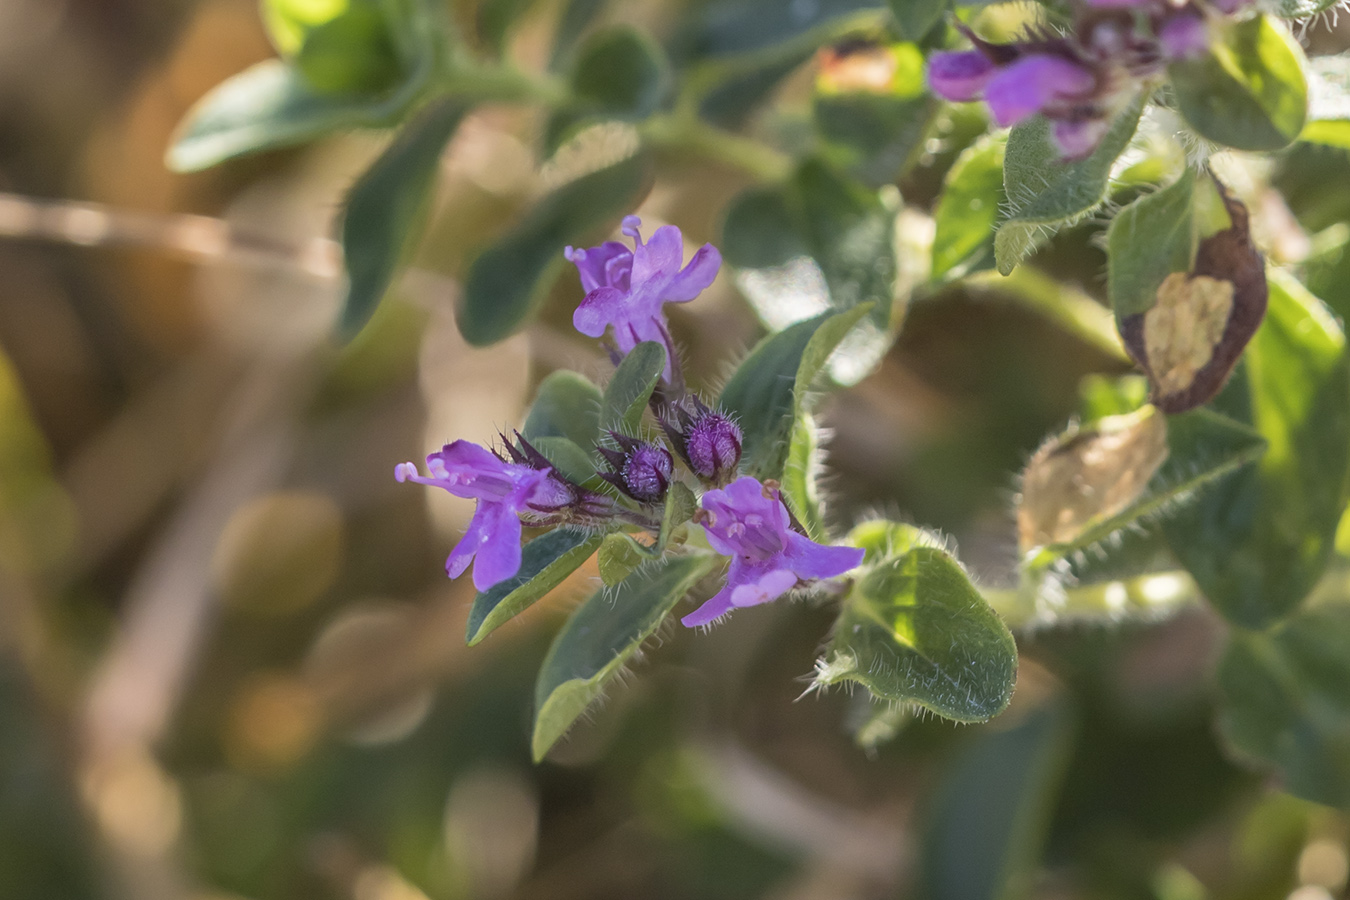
x,y
1190,340
1087,476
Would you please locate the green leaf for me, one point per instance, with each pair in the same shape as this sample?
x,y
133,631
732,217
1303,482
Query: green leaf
x,y
989,817
576,18
874,132
1045,191
1258,541
271,105
915,18
845,229
621,72
1285,702
496,19
769,389
619,555
509,279
1100,396
1147,241
386,208
1328,102
567,405
914,630
545,562
352,52
628,391
734,27
972,196
680,506
1097,480
574,463
1248,91
600,638
799,478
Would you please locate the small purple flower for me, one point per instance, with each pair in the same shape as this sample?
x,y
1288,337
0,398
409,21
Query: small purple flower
x,y
641,470
1027,86
748,522
1183,36
959,77
504,491
626,289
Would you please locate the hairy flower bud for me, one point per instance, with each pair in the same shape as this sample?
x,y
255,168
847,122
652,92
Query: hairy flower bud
x,y
708,441
641,470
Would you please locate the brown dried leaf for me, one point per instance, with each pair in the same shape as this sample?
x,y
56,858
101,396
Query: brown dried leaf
x,y
1087,476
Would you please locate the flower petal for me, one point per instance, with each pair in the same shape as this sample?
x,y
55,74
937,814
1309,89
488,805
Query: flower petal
x,y
595,265
695,277
811,560
659,257
602,307
1028,85
762,584
959,77
499,554
715,608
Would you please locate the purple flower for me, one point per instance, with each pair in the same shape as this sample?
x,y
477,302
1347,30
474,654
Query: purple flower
x,y
505,491
626,289
748,522
1183,36
1027,86
960,77
1078,138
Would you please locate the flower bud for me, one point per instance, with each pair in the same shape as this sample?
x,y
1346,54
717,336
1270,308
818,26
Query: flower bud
x,y
640,470
708,441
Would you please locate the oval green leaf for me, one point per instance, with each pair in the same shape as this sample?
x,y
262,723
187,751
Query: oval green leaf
x,y
545,562
601,637
972,196
387,207
620,72
914,630
567,405
628,391
1248,91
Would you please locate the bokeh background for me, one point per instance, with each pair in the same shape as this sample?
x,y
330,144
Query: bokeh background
x,y
231,665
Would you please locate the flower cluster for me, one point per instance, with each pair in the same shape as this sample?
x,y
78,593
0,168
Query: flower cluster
x,y
1082,80
741,517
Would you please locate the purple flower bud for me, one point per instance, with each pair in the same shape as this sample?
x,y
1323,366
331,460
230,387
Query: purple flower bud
x,y
959,77
1032,83
708,441
641,470
748,522
1184,36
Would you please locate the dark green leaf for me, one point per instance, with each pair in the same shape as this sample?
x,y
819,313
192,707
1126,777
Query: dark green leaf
x,y
496,18
576,18
351,53
1044,191
567,405
770,387
386,208
1248,91
601,637
266,106
628,391
914,630
1286,702
915,18
621,72
545,562
738,26
509,279
972,196
569,458
1147,241
989,817
1257,542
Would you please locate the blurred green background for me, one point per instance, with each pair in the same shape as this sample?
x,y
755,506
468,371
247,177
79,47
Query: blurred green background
x,y
231,665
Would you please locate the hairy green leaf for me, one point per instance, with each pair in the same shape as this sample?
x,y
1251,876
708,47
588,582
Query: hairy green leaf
x,y
601,637
567,405
1147,241
968,210
631,387
545,562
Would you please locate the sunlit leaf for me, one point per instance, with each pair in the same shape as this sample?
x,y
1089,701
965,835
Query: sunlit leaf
x,y
968,210
1248,91
913,629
